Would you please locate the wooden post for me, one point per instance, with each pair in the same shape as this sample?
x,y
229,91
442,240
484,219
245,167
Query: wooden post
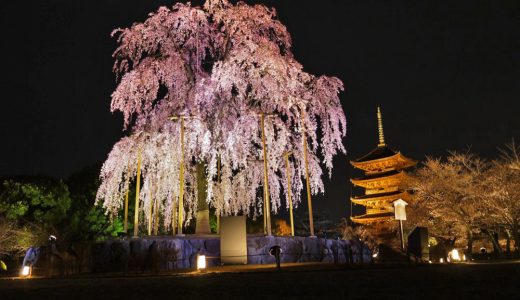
x,y
309,200
181,182
127,186
218,180
174,219
267,210
156,218
150,212
137,191
289,198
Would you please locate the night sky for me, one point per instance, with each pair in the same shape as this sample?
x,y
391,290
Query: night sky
x,y
446,74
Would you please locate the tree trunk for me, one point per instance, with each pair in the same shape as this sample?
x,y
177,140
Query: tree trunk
x,y
202,224
497,251
508,243
470,244
516,238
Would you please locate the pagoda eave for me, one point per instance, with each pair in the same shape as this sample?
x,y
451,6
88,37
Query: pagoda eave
x,y
396,161
369,219
391,180
385,198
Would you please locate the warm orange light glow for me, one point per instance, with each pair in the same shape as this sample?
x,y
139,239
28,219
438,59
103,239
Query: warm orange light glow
x,y
201,262
26,271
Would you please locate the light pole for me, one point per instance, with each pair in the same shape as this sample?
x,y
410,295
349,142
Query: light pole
x,y
289,198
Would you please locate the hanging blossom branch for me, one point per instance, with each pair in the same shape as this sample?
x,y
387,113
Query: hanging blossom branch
x,y
222,65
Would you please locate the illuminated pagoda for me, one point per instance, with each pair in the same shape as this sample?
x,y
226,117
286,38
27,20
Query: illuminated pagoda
x,y
383,169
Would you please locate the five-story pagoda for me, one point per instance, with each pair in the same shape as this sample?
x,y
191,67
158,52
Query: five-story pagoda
x,y
383,169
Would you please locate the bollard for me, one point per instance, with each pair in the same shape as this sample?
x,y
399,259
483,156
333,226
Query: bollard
x,y
276,251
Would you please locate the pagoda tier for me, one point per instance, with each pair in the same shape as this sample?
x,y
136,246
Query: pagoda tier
x,y
379,181
383,168
383,159
374,199
370,218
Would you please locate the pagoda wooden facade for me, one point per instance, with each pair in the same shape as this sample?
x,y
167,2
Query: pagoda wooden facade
x,y
383,168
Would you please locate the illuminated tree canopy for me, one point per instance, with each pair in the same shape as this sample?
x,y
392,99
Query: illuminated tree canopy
x,y
219,66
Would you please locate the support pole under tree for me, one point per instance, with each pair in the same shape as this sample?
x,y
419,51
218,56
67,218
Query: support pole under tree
x,y
308,185
181,182
218,180
174,211
156,217
127,187
289,198
267,210
150,213
137,191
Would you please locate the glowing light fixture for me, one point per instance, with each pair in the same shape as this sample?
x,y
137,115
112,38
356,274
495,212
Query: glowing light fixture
x,y
441,260
455,255
26,271
201,262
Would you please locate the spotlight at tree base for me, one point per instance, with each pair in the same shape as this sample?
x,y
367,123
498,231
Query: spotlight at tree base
x,y
455,256
201,263
26,271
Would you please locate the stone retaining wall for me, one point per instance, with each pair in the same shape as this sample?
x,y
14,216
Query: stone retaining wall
x,y
162,254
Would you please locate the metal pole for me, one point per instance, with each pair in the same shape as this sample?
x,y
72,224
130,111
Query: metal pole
x,y
289,198
181,179
267,210
137,191
402,235
309,199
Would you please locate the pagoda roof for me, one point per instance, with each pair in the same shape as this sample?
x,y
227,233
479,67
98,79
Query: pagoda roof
x,y
380,195
388,196
371,218
382,151
378,175
383,158
379,179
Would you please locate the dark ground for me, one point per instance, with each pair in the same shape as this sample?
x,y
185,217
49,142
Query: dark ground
x,y
446,282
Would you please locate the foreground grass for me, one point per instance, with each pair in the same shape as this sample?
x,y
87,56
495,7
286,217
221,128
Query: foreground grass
x,y
461,281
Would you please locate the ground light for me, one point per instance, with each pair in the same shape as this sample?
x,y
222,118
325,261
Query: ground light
x,y
26,271
201,262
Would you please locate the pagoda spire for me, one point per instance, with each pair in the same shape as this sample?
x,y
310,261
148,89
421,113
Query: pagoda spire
x,y
380,127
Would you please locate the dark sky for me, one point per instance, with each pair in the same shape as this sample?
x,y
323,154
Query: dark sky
x,y
446,73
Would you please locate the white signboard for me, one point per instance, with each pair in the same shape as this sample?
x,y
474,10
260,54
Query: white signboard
x,y
399,209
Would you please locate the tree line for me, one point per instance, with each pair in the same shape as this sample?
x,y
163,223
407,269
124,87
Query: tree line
x,y
34,207
462,196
